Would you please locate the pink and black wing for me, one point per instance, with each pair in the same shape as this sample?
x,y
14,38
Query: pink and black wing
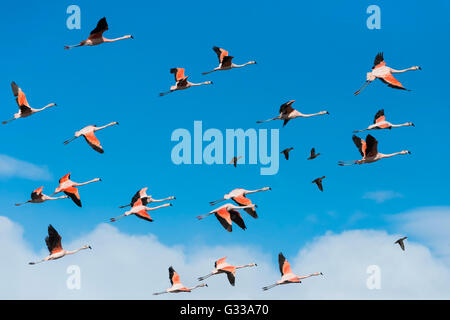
x,y
360,144
379,61
101,27
36,194
53,240
379,116
372,143
237,218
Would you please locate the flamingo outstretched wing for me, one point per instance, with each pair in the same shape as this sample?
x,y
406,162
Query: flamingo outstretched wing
x,y
360,144
73,194
221,53
237,218
173,276
36,194
101,27
53,240
92,140
392,82
371,149
284,265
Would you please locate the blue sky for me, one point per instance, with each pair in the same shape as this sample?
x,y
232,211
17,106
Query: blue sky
x,y
316,53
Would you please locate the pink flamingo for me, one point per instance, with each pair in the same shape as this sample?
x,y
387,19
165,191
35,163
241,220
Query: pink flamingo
x,y
287,276
221,266
142,194
177,286
38,197
88,133
96,36
380,123
227,214
181,82
288,113
24,108
140,211
225,61
369,152
384,73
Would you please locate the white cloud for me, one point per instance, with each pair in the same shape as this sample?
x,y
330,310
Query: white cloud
x,y
11,167
382,195
123,266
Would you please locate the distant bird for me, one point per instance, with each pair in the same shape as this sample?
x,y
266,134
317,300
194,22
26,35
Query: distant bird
x,y
177,286
96,36
221,266
234,161
88,133
227,214
287,113
53,241
400,242
384,73
182,82
225,61
142,194
313,154
380,123
318,181
140,211
286,152
287,276
24,108
239,197
38,197
369,152
70,188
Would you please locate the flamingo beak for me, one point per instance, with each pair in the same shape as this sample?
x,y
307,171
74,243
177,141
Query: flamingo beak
x,y
131,37
90,247
413,124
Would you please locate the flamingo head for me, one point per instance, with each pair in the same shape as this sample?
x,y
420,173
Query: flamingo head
x,y
405,152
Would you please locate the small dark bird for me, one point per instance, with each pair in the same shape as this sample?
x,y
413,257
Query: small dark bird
x,y
313,154
234,160
400,242
286,152
318,181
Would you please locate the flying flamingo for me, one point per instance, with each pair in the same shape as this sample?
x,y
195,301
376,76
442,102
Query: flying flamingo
x,y
400,242
38,197
225,61
96,36
369,152
313,154
380,123
287,113
234,161
140,210
227,214
53,241
177,286
182,82
286,152
287,276
384,73
239,197
221,266
318,181
24,108
70,188
88,133
142,194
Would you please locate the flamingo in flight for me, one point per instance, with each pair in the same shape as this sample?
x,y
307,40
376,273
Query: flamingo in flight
x,y
318,181
288,113
142,194
53,241
24,108
88,133
400,242
140,210
38,197
380,122
69,187
239,197
384,73
313,154
96,36
181,81
225,61
177,286
287,276
234,161
227,214
221,266
369,152
286,152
